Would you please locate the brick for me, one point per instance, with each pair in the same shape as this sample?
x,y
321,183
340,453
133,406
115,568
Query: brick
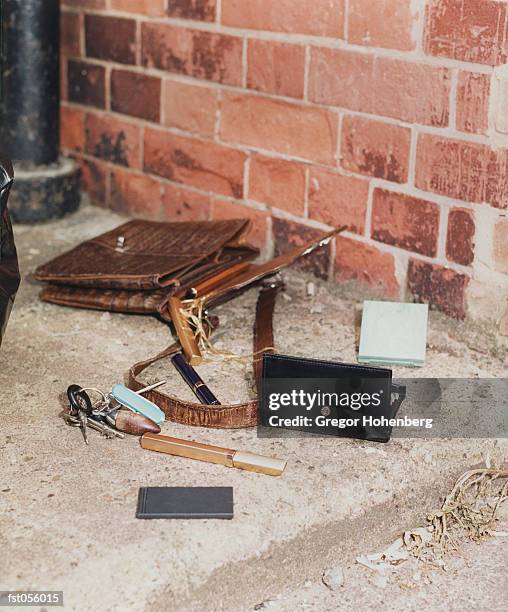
x,y
150,8
503,324
318,17
280,126
375,148
189,107
184,205
413,92
288,235
86,83
460,236
202,10
364,263
135,194
72,128
136,94
199,163
338,200
278,183
473,93
70,34
113,140
110,38
94,176
258,235
405,222
441,288
390,25
500,246
276,68
467,30
88,4
203,55
462,170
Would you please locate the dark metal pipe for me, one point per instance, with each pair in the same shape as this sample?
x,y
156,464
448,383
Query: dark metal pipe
x,y
29,122
46,186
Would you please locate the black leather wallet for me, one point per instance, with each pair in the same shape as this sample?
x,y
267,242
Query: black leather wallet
x,y
328,398
185,502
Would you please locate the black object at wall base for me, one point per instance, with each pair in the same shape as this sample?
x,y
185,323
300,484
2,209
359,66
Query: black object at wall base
x,y
9,271
41,193
46,186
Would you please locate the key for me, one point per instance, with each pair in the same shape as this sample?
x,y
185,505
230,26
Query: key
x,y
104,429
101,409
80,407
93,423
84,422
123,408
69,419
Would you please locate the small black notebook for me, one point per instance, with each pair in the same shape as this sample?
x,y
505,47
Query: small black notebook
x,y
185,502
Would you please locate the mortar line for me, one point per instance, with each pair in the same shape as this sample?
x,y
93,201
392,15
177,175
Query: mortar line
x,y
306,70
331,263
269,242
368,210
442,235
82,35
411,174
306,192
246,177
138,42
346,21
218,114
107,88
245,66
419,25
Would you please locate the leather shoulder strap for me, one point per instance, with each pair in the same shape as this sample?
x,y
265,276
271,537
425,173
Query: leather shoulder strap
x,y
233,416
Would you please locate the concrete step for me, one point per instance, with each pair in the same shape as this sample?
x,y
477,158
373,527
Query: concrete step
x,y
67,510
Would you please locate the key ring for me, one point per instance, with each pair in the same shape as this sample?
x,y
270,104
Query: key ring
x,y
103,395
79,399
103,401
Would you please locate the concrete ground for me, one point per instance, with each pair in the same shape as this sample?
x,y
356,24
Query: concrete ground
x,y
67,510
474,580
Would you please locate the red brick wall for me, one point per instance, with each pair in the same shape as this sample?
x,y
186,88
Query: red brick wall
x,y
303,114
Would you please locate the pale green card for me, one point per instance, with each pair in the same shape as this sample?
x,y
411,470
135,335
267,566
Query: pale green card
x,y
393,333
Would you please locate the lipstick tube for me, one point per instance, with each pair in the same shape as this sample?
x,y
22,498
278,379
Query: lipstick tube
x,y
213,454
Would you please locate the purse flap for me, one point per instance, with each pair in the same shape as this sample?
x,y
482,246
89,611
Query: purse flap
x,y
142,254
144,301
